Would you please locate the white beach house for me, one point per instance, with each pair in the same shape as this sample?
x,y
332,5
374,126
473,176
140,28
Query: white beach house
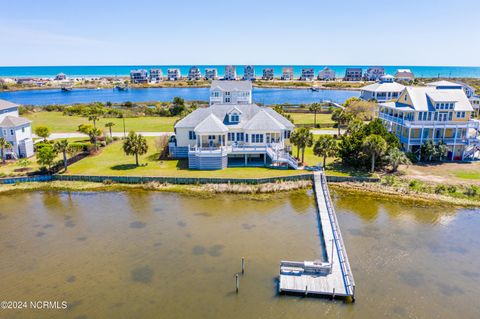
x,y
308,74
174,74
429,113
230,92
16,130
194,74
233,135
156,75
211,74
384,90
267,74
287,73
326,74
353,74
230,73
404,75
374,73
249,73
139,76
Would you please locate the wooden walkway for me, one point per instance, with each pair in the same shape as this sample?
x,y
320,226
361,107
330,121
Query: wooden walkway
x,y
333,278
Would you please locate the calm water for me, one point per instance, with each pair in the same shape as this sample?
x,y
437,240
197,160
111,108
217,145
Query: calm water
x,y
155,255
260,95
124,70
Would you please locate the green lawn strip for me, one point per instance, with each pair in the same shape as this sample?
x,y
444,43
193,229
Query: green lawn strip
x,y
307,118
468,175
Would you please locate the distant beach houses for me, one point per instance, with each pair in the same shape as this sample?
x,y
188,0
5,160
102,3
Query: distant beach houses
x,y
229,133
326,74
230,73
16,130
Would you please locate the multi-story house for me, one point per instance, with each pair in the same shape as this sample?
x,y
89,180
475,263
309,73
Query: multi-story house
x,y
404,75
268,74
16,130
230,73
211,74
60,77
384,90
469,91
194,74
156,75
326,74
248,73
374,73
174,74
427,113
308,74
230,92
139,76
233,135
353,74
287,73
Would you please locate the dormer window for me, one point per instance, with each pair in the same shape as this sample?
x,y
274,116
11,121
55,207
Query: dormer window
x,y
234,118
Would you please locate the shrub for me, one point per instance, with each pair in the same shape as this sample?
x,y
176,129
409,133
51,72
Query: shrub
x,y
451,189
78,147
472,191
440,189
389,180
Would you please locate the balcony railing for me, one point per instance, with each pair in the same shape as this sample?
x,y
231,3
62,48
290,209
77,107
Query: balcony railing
x,y
471,123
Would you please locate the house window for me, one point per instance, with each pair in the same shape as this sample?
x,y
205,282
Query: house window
x,y
246,137
286,134
227,100
23,130
239,136
235,118
231,136
192,135
257,138
11,132
211,137
461,114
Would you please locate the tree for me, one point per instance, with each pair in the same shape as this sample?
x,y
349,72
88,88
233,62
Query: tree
x,y
427,150
302,139
109,125
46,155
24,163
161,144
325,146
94,134
341,117
43,132
4,145
94,113
375,146
294,139
441,151
178,106
396,157
135,144
315,107
62,147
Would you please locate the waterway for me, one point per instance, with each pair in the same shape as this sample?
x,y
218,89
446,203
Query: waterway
x,y
160,255
266,96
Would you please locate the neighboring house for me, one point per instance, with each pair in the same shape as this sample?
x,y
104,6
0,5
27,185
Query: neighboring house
x,y
287,74
249,73
173,74
404,75
457,85
194,74
156,75
230,92
233,135
60,77
211,74
230,73
384,90
16,130
374,73
326,74
353,74
308,74
267,74
139,76
429,113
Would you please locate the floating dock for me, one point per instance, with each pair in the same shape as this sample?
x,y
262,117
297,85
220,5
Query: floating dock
x,y
332,278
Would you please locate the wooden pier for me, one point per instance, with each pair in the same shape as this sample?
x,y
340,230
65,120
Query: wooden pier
x,y
332,278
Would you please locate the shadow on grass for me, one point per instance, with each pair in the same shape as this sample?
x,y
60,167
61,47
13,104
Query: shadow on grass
x,y
350,171
124,167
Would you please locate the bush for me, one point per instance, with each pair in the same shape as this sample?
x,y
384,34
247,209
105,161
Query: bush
x,y
389,180
78,147
472,191
440,189
451,189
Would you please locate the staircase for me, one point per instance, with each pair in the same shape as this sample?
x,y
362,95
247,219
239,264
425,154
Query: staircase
x,y
280,156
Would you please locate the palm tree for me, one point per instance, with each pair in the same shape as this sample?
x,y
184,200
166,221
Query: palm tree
x,y
396,158
302,139
135,144
341,117
62,146
4,145
315,107
325,146
109,125
94,133
375,146
94,118
294,139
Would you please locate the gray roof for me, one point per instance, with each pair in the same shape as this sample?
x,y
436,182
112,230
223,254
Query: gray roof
x,y
268,119
14,121
444,83
384,87
7,105
211,125
231,85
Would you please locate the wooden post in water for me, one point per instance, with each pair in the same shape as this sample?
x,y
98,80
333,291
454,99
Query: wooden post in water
x,y
333,295
243,265
306,290
237,283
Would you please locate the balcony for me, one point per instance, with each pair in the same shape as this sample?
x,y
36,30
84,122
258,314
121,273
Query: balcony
x,y
418,124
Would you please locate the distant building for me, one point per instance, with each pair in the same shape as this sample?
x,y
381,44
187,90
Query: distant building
x,y
156,75
173,74
139,76
326,74
60,77
267,74
374,73
230,92
194,74
230,73
249,73
16,130
353,74
211,74
308,74
287,73
384,90
404,75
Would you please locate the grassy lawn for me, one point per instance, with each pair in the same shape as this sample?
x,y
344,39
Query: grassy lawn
x,y
113,161
307,118
468,175
60,123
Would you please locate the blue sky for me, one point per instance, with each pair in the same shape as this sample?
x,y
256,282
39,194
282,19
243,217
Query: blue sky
x,y
348,32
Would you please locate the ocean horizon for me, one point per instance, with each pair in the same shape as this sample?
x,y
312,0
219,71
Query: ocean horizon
x,y
124,70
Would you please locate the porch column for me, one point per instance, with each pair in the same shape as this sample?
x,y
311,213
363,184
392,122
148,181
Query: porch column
x,y
245,159
197,142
